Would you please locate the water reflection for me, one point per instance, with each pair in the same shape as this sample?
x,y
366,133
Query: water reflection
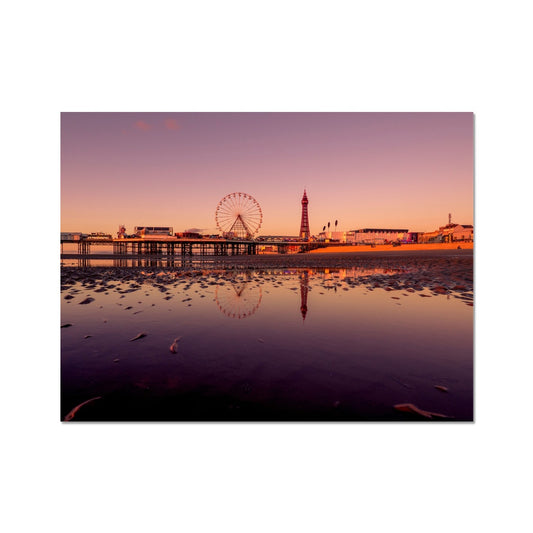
x,y
184,262
238,293
209,263
304,289
238,298
241,297
373,344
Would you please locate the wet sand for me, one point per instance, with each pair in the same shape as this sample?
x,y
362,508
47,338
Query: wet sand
x,y
418,269
290,375
348,256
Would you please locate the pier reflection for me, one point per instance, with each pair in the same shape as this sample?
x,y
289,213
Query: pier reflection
x,y
161,262
185,262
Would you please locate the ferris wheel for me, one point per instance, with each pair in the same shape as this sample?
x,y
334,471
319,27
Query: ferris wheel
x,y
238,215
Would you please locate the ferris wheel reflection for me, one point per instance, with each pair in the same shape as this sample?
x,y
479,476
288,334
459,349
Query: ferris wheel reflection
x,y
241,296
238,298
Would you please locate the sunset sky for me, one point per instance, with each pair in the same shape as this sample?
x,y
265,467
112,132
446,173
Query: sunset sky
x,y
389,170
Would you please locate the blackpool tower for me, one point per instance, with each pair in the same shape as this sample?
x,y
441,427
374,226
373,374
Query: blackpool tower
x,y
304,226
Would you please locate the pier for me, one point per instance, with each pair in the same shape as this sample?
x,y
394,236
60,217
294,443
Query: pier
x,y
173,247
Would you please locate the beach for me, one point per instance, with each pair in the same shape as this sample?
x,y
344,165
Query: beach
x,y
322,336
403,248
425,267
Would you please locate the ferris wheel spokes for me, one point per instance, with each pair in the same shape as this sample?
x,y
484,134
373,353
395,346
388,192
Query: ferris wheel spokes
x,y
238,215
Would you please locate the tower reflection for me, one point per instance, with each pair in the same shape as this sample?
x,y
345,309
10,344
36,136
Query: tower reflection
x,y
304,289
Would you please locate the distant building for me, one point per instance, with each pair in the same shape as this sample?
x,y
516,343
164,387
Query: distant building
x,y
141,231
463,232
70,236
350,237
449,233
338,236
379,235
332,236
412,237
98,236
189,235
430,236
278,238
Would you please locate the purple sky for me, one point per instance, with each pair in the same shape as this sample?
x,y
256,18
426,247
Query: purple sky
x,y
391,170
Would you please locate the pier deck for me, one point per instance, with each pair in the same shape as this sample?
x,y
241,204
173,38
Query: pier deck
x,y
189,247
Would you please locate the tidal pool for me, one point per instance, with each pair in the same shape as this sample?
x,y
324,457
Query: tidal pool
x,y
350,344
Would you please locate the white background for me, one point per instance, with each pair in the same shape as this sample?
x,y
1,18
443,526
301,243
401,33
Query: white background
x,y
269,56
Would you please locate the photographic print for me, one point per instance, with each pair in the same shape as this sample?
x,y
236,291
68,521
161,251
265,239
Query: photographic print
x,y
267,267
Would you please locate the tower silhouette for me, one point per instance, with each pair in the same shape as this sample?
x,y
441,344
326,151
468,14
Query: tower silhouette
x,y
304,226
